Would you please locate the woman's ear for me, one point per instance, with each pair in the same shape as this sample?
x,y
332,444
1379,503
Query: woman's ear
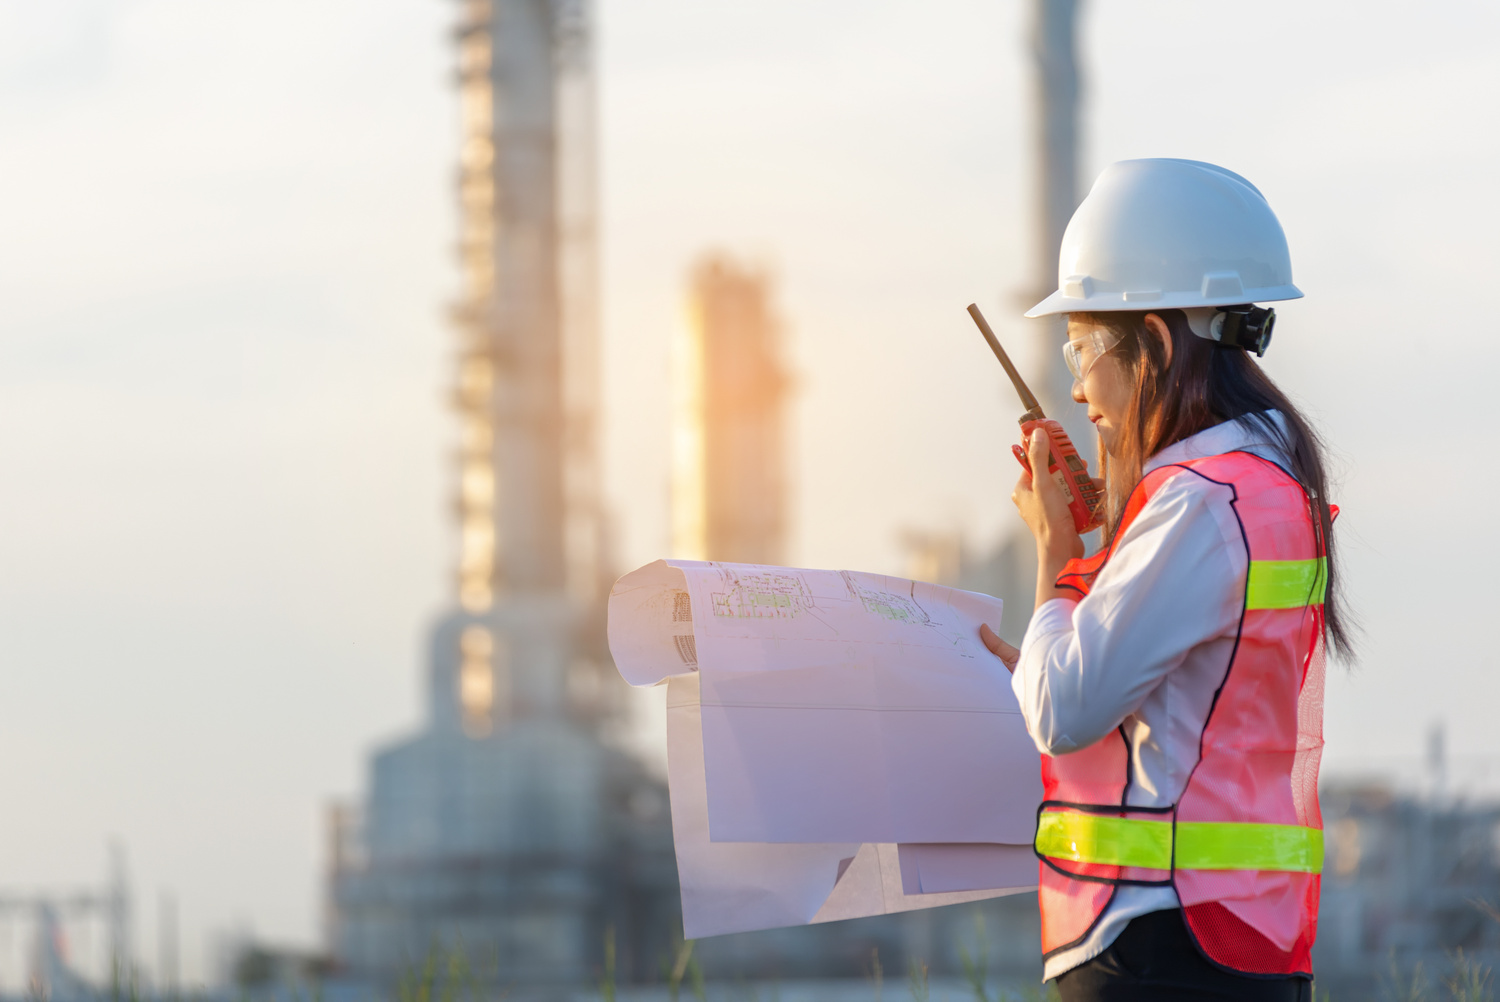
x,y
1159,329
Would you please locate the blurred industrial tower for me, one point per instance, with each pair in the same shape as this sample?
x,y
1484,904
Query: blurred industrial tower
x,y
507,827
1056,91
729,500
729,503
729,491
1009,570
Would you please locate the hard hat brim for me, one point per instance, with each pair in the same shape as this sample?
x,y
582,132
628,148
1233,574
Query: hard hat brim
x,y
1119,302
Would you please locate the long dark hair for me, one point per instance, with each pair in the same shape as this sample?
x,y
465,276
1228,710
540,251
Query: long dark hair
x,y
1203,385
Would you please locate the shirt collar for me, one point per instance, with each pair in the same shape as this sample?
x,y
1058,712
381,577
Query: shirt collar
x,y
1230,436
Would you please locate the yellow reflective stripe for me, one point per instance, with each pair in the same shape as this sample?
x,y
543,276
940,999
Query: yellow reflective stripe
x,y
1286,584
1201,845
1093,838
1237,845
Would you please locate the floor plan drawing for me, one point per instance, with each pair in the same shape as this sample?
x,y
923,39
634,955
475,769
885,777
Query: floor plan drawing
x,y
889,605
762,596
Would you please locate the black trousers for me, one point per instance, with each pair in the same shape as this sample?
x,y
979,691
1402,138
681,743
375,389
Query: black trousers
x,y
1154,960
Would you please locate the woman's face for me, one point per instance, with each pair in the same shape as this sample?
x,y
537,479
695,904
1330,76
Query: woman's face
x,y
1106,386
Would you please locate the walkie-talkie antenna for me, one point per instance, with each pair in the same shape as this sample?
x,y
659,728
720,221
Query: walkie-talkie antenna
x,y
1034,409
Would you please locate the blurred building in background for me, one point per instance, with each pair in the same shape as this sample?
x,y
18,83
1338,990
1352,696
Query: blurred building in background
x,y
75,939
1409,878
730,384
507,826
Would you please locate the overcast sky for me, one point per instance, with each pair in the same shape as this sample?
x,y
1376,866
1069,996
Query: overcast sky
x,y
225,247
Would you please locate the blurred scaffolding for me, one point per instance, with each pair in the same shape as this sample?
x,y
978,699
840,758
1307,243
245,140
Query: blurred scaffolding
x,y
77,942
507,827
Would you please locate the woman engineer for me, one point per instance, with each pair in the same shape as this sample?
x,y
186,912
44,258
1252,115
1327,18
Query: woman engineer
x,y
1174,680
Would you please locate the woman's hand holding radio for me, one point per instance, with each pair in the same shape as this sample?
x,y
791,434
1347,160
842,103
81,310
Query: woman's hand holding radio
x,y
1044,508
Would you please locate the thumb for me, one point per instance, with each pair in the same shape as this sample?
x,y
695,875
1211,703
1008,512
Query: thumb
x,y
1005,652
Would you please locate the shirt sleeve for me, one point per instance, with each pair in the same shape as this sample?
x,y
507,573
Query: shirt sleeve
x,y
1176,580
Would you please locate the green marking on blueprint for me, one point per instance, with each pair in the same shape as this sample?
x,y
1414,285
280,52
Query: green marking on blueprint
x,y
762,596
894,607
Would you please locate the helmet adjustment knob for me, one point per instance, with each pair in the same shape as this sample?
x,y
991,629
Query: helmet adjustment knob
x,y
1247,327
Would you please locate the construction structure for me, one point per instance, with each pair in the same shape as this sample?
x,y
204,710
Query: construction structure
x,y
507,827
730,384
64,967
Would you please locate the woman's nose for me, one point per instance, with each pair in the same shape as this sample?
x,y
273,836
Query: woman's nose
x,y
1078,392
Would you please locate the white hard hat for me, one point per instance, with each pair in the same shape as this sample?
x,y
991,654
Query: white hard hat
x,y
1170,234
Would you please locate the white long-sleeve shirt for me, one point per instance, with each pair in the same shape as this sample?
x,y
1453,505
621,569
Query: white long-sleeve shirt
x,y
1145,650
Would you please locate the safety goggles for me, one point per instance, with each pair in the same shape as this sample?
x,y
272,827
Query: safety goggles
x,y
1082,352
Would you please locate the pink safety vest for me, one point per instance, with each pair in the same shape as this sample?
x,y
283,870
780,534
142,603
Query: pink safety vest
x,y
1243,845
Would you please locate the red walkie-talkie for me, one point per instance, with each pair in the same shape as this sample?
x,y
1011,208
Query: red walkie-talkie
x,y
1082,493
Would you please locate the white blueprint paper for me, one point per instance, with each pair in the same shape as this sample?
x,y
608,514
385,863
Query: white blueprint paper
x,y
938,868
743,886
822,753
837,706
